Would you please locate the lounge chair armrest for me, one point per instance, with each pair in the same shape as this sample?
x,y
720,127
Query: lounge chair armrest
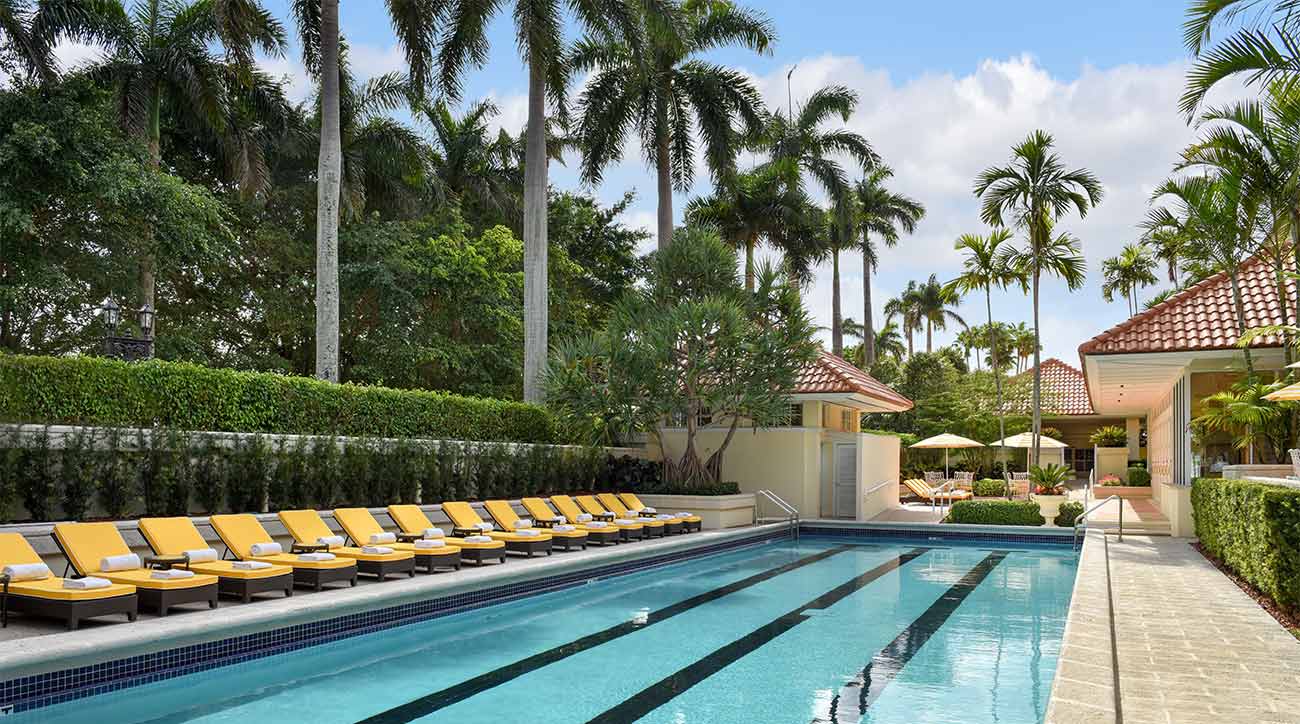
x,y
409,537
166,562
647,515
604,516
458,531
308,547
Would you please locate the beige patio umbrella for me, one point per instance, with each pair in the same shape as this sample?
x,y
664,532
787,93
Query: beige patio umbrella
x,y
1026,440
947,441
1290,393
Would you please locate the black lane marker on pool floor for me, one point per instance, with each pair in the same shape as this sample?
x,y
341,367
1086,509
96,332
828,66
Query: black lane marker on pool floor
x,y
885,666
661,692
430,703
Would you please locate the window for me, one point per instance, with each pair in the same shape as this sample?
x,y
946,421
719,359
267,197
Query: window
x,y
796,415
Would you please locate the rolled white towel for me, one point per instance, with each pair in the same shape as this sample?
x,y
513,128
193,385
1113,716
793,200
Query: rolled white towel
x,y
171,574
333,541
201,555
124,562
27,572
523,523
596,524
381,538
685,515
528,532
559,519
315,557
647,509
485,526
266,549
433,533
584,517
427,544
250,565
376,550
665,516
627,521
478,539
85,584
562,528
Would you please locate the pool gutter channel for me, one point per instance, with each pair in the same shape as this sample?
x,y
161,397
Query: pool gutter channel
x,y
1086,688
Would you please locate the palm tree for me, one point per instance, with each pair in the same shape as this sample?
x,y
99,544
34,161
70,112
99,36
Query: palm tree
x,y
470,167
32,30
799,144
933,302
671,97
1032,193
889,341
840,235
1159,298
1025,342
987,265
906,308
539,27
1263,47
882,213
1133,269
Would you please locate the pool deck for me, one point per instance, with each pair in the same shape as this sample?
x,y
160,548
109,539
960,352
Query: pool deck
x,y
1181,641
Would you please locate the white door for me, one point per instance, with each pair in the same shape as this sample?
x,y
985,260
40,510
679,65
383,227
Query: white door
x,y
845,493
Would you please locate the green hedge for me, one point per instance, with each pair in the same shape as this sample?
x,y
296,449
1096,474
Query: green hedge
x,y
989,488
104,392
1068,513
995,512
1139,477
1254,529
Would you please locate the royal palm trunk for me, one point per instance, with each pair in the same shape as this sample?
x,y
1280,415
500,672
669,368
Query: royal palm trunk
x,y
837,324
328,180
536,315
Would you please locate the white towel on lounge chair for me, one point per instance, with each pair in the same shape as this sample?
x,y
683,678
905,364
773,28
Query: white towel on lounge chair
x,y
665,516
315,557
250,565
523,523
563,528
584,517
627,521
27,572
596,524
684,515
85,584
265,549
333,541
201,555
559,519
485,526
381,538
171,574
478,539
376,550
124,562
425,545
434,533
528,532
647,509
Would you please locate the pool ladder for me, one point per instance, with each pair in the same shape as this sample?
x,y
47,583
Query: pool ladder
x,y
1082,520
791,512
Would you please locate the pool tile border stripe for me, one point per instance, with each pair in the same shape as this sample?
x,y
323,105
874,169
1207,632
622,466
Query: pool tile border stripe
x,y
885,666
437,700
668,688
932,533
41,690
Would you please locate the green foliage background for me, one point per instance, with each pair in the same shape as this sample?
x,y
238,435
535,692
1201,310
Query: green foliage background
x,y
1254,529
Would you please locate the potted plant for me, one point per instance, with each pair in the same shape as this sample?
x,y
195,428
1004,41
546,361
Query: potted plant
x,y
1048,485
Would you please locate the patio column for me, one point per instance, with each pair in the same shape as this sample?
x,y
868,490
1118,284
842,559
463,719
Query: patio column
x,y
1133,426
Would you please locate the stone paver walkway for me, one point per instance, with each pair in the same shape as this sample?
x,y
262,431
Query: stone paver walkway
x,y
1190,647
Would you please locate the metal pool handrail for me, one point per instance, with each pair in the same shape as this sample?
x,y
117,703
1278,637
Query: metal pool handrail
x,y
938,495
1082,520
792,513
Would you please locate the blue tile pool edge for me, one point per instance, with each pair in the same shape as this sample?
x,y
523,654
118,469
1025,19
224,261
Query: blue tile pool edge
x,y
47,689
932,532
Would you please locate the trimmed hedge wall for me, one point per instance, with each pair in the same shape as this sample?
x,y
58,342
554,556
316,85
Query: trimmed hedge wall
x,y
1068,514
104,392
1254,529
1139,477
995,512
989,488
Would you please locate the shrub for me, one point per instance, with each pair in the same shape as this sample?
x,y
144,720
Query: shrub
x,y
1109,436
995,512
989,487
248,471
209,473
11,459
36,479
1048,479
325,482
98,391
1254,529
77,473
354,472
1139,477
1068,513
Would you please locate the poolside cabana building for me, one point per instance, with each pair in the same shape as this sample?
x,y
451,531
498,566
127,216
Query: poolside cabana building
x,y
1160,364
820,462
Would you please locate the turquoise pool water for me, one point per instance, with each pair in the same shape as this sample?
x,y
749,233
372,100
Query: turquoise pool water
x,y
818,631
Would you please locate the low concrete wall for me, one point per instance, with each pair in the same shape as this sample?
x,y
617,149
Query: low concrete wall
x,y
878,473
1176,503
715,511
1123,491
1237,472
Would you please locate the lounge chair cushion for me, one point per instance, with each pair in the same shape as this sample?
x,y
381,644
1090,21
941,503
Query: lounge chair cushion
x,y
413,520
227,569
141,578
15,550
242,531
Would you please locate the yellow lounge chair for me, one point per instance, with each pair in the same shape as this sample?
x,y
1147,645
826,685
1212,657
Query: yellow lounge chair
x,y
48,597
86,545
654,524
240,532
506,518
543,515
922,490
468,522
172,537
634,504
308,530
569,508
361,526
412,520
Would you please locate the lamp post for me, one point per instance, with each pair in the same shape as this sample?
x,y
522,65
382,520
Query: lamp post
x,y
124,347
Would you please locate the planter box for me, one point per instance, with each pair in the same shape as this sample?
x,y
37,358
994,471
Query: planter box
x,y
1111,461
1100,492
715,511
1050,505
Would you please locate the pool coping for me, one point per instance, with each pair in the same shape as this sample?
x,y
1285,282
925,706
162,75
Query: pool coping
x,y
48,669
1048,535
1088,660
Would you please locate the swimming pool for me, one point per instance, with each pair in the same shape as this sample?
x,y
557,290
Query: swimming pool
x,y
816,631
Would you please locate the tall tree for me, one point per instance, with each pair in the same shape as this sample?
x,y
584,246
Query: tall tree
x,y
841,235
1262,46
539,36
669,96
906,308
470,167
1127,273
881,214
799,143
933,300
987,265
1032,193
32,29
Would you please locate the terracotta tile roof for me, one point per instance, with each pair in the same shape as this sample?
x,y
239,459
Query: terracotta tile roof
x,y
1065,391
832,374
1200,317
